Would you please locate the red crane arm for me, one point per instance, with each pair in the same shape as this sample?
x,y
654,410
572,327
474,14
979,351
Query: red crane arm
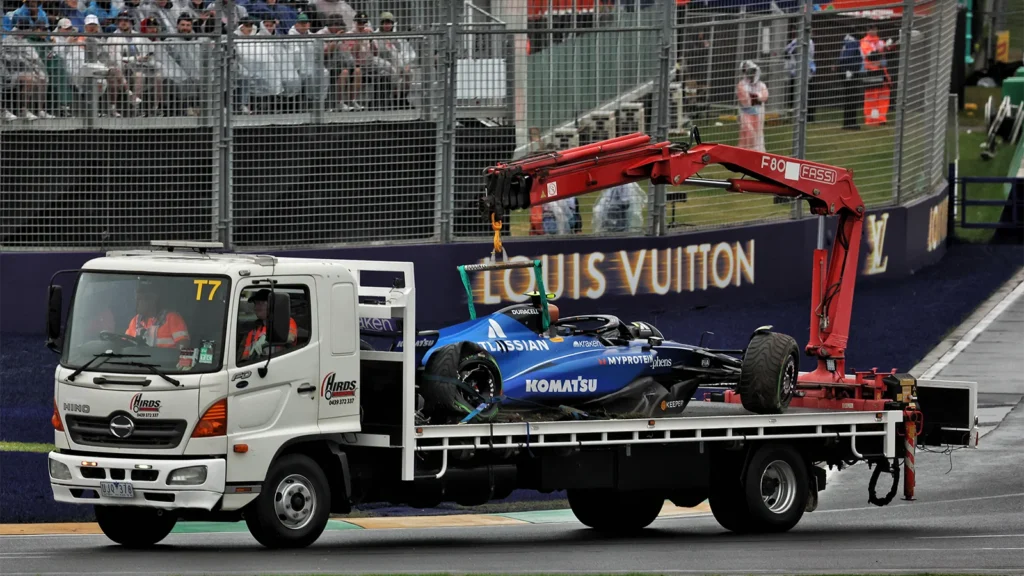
x,y
554,176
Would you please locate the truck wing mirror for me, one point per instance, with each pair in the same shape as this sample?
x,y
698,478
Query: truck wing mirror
x,y
280,318
54,310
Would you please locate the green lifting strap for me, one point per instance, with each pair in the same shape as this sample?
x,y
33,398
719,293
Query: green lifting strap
x,y
542,293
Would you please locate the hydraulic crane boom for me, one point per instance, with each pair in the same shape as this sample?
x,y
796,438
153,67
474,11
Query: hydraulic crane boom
x,y
829,191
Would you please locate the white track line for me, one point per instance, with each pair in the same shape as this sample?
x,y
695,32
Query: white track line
x,y
973,333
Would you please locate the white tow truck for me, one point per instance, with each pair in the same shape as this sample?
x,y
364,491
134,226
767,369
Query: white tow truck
x,y
253,397
153,434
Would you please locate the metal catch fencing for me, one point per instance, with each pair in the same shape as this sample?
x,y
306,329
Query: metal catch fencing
x,y
294,125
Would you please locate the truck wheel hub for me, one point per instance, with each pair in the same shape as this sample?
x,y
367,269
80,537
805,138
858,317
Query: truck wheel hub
x,y
294,501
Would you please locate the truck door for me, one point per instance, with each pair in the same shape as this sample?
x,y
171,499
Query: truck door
x,y
282,404
340,384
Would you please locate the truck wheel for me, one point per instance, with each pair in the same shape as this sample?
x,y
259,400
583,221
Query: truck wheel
x,y
776,488
447,402
293,506
615,512
769,373
133,526
726,493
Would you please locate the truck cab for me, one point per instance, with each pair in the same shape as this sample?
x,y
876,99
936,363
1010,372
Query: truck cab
x,y
184,374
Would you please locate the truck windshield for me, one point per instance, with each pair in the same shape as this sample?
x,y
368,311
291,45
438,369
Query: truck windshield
x,y
122,322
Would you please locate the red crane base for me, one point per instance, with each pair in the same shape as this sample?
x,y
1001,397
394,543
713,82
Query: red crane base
x,y
870,391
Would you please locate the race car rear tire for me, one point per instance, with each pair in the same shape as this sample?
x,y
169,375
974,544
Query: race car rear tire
x,y
770,368
615,512
446,402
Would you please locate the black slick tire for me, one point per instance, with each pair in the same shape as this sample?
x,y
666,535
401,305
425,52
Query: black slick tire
x,y
615,512
293,506
133,526
771,365
445,401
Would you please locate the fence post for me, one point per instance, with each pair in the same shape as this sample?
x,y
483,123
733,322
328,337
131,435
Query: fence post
x,y
906,27
226,109
447,128
662,102
800,130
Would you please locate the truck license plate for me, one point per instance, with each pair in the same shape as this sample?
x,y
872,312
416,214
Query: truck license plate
x,y
117,490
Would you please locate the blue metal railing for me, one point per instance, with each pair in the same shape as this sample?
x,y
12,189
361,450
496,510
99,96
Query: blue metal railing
x,y
1013,204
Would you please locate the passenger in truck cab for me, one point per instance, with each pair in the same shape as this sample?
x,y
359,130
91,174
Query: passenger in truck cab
x,y
157,326
255,343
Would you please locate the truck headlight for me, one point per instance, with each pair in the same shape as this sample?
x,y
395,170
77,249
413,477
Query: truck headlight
x,y
59,470
187,476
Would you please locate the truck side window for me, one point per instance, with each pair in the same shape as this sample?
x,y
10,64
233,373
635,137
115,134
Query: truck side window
x,y
252,315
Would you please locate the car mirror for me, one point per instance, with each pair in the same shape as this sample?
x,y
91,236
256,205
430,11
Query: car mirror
x,y
280,318
655,340
54,310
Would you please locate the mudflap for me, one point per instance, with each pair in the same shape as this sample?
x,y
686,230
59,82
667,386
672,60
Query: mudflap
x,y
949,410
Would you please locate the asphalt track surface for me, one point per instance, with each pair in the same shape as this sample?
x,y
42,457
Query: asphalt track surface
x,y
968,517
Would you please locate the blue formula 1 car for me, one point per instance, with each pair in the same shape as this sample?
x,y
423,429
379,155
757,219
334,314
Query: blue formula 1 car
x,y
525,358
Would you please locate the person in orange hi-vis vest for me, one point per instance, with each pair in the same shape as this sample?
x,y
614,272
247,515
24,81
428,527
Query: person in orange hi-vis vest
x,y
156,326
255,343
876,95
752,95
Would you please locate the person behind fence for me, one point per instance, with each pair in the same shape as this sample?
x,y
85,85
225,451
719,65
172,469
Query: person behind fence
x,y
752,95
283,15
362,54
876,94
393,57
851,69
26,68
793,58
620,209
138,60
314,78
71,9
30,14
341,64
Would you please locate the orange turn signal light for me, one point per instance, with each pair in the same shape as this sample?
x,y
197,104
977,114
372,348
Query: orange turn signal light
x,y
58,425
241,448
214,421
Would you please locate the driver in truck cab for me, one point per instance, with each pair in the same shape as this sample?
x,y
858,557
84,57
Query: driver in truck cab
x,y
158,327
255,344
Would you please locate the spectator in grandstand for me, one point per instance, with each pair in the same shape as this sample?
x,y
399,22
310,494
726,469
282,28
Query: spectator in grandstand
x,y
106,12
26,17
204,18
138,61
26,68
70,9
314,79
180,61
393,57
164,11
362,54
851,68
341,64
330,9
752,95
283,15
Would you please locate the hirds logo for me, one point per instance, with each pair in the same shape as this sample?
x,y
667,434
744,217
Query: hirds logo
x,y
333,388
142,407
494,329
577,384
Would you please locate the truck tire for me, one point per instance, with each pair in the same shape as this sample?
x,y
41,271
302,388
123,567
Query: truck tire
x,y
615,512
777,487
134,526
726,493
444,400
770,368
293,506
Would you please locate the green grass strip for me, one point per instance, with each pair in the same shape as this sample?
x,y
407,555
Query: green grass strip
x,y
25,447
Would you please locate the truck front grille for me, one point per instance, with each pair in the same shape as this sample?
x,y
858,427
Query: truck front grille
x,y
154,434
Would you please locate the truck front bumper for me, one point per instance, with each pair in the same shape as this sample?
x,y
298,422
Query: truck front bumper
x,y
88,479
